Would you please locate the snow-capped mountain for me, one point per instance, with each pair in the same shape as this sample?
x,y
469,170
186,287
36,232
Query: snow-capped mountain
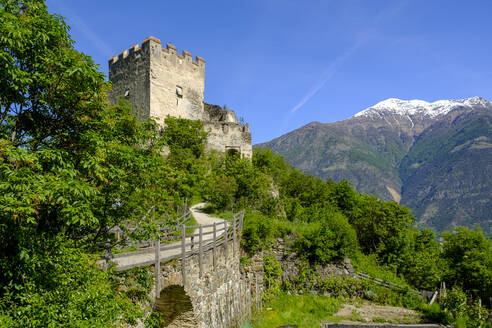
x,y
434,157
421,107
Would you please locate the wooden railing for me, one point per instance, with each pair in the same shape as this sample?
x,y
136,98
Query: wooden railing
x,y
120,233
183,246
389,285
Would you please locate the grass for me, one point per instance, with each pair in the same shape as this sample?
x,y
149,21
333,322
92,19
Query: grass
x,y
223,214
191,222
305,311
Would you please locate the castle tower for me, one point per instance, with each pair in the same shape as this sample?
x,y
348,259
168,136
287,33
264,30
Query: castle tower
x,y
159,82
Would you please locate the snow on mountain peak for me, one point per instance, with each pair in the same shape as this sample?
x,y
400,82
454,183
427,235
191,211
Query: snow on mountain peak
x,y
413,107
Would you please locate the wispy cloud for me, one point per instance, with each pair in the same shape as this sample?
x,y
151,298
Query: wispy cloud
x,y
80,25
364,37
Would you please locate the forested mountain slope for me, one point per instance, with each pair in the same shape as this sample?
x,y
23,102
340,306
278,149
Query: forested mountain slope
x,y
432,157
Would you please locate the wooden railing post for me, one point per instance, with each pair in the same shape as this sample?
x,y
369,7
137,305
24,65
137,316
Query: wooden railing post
x,y
250,296
225,239
256,292
234,235
183,253
157,268
215,245
200,255
241,221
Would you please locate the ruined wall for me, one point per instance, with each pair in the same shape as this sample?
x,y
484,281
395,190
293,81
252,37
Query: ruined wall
x,y
221,297
225,132
223,136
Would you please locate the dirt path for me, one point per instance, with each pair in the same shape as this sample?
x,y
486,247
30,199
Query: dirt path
x,y
366,312
200,217
203,218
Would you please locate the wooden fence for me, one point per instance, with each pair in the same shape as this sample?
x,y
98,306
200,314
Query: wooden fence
x,y
182,246
429,295
120,233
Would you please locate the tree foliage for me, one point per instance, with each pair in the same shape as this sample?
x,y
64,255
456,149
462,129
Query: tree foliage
x,y
329,240
468,255
331,220
71,168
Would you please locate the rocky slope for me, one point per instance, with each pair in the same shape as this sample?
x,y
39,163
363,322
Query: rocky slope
x,y
435,158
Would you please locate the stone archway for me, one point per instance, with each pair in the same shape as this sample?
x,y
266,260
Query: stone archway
x,y
176,308
233,151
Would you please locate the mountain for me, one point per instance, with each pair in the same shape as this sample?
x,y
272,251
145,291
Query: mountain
x,y
435,158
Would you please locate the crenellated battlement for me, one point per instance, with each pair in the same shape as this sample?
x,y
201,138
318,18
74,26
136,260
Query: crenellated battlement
x,y
135,51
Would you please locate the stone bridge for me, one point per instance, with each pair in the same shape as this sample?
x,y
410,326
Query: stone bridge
x,y
198,282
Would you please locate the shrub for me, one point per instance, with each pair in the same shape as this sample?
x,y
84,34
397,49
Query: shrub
x,y
464,312
329,240
272,272
258,232
343,287
222,192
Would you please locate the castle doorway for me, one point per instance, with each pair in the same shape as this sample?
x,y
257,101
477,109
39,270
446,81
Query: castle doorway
x,y
233,152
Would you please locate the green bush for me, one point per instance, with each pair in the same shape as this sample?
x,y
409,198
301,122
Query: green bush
x,y
464,312
343,287
329,240
258,231
66,289
272,272
223,191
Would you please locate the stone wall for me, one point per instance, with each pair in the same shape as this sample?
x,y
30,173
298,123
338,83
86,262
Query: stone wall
x,y
220,297
224,136
225,132
290,263
129,73
252,274
177,83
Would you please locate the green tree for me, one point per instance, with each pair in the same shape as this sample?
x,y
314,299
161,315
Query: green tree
x,y
223,191
383,228
469,260
424,267
328,240
182,135
71,168
46,85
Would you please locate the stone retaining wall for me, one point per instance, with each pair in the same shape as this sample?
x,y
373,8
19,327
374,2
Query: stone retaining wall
x,y
220,297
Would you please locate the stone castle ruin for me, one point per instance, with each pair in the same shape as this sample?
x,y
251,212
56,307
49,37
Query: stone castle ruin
x,y
159,82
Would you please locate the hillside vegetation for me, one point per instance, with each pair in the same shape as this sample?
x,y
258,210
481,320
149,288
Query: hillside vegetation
x,y
438,166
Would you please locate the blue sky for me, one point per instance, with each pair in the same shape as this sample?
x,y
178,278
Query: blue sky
x,y
282,64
